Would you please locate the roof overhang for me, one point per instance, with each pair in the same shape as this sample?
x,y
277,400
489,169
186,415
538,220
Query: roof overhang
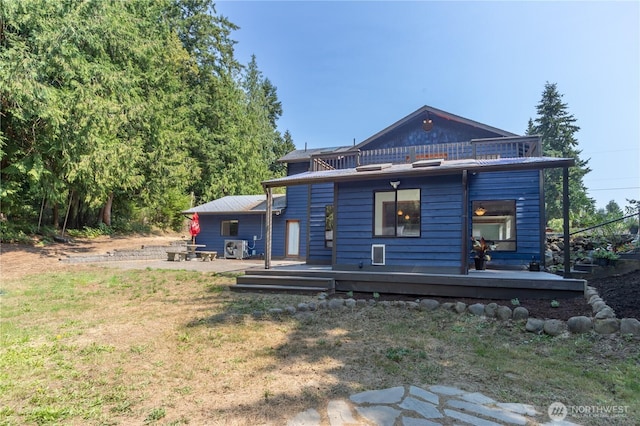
x,y
408,170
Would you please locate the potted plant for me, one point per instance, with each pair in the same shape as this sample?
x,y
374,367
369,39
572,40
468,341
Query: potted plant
x,y
481,248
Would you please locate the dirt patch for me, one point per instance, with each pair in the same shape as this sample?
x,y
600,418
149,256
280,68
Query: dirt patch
x,y
621,293
17,260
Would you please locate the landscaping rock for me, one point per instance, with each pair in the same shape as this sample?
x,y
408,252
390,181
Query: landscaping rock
x,y
336,303
606,326
361,302
503,313
448,306
554,327
520,313
460,307
290,310
385,304
429,304
490,310
313,306
350,303
598,306
303,307
606,312
412,305
630,326
595,298
323,304
477,309
534,325
579,325
276,311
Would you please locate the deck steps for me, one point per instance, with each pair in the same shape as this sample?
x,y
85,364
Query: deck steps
x,y
280,283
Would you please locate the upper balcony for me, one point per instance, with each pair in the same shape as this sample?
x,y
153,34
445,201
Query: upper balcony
x,y
494,148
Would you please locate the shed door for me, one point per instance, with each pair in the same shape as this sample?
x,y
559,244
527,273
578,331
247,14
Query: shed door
x,y
293,238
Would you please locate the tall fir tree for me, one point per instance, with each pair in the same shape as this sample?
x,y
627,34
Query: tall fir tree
x,y
557,127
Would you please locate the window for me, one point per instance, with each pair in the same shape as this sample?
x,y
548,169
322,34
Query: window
x,y
229,228
496,222
328,225
397,213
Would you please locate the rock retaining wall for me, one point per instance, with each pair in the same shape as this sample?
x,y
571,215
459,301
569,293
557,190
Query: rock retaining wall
x,y
143,253
604,320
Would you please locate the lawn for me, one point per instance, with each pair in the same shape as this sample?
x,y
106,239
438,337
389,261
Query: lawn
x,y
106,346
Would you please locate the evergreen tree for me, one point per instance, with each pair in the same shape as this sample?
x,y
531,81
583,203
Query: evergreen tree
x,y
557,128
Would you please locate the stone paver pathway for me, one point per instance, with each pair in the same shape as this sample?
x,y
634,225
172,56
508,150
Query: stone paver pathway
x,y
414,406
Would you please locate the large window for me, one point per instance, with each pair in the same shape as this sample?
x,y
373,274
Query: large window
x,y
496,222
397,213
229,228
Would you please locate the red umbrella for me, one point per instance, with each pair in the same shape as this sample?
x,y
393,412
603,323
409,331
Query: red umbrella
x,y
194,227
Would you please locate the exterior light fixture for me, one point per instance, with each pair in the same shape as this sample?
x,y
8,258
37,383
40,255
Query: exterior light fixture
x,y
480,211
400,212
427,123
407,217
395,184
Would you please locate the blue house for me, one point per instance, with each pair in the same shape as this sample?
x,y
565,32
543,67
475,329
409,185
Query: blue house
x,y
408,199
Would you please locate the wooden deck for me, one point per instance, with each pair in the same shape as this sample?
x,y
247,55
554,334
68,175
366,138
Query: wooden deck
x,y
488,284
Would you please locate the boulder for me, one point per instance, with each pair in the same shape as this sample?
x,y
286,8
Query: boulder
x,y
303,307
429,304
336,303
503,313
554,327
605,312
606,326
520,313
534,325
490,310
630,326
477,309
579,325
350,303
460,307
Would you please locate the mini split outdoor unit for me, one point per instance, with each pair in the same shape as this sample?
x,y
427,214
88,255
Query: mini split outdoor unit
x,y
235,249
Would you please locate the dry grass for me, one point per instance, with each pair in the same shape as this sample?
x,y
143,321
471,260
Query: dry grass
x,y
102,346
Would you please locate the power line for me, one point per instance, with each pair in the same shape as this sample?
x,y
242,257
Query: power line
x,y
610,189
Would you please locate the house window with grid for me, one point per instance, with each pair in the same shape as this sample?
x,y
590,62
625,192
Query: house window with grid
x,y
397,213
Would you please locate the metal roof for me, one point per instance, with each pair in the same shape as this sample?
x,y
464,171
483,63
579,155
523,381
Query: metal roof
x,y
398,170
245,204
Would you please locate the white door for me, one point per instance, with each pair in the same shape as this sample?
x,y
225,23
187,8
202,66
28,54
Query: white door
x,y
293,238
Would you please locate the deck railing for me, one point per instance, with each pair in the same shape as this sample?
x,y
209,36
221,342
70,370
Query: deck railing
x,y
475,149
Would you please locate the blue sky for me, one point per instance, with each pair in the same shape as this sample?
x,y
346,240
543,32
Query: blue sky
x,y
345,70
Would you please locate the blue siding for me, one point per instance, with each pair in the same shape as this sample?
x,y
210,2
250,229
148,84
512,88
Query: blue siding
x,y
321,196
248,226
523,187
444,131
297,202
439,245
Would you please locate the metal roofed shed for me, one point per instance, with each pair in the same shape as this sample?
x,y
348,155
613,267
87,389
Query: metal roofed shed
x,y
246,204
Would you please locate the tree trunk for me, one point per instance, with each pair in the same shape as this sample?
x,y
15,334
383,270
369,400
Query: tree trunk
x,y
106,213
56,216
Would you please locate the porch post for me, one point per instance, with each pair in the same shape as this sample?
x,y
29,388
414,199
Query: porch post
x,y
464,267
268,220
565,224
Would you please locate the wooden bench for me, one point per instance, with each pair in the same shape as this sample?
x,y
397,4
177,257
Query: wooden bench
x,y
207,255
177,255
